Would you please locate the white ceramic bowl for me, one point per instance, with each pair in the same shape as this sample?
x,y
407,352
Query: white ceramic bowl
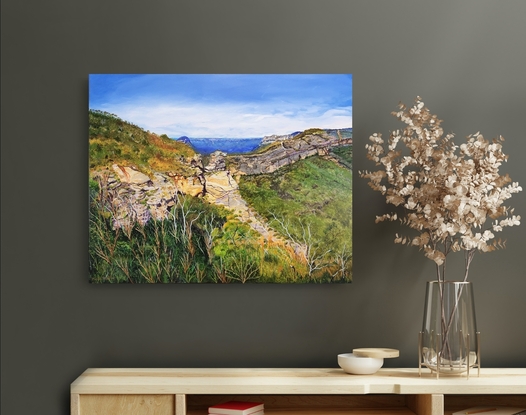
x,y
359,365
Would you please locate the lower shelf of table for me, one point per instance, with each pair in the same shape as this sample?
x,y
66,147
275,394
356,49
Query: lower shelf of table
x,y
313,404
352,404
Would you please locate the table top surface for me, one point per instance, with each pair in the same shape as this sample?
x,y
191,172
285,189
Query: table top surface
x,y
294,381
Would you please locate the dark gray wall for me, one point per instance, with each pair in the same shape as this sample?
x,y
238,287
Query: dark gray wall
x,y
466,59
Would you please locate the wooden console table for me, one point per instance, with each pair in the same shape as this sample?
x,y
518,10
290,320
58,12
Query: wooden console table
x,y
291,391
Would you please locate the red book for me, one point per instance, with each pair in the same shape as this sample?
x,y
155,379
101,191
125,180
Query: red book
x,y
236,408
262,412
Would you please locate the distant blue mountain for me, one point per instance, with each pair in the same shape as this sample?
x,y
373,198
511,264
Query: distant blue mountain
x,y
227,145
240,145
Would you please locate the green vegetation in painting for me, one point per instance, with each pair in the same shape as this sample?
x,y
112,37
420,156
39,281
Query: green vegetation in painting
x,y
112,140
309,203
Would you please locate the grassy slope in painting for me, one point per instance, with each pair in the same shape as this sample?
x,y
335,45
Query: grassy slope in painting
x,y
161,212
308,202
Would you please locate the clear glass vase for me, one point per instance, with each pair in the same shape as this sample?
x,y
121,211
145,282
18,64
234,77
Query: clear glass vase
x,y
449,341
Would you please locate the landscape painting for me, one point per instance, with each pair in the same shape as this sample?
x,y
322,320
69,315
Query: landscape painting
x,y
218,179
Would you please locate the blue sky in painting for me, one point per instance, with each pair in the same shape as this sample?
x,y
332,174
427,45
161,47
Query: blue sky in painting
x,y
225,105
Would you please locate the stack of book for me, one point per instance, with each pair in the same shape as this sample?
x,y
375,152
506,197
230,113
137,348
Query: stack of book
x,y
237,408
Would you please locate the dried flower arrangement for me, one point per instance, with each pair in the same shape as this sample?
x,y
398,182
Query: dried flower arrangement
x,y
452,195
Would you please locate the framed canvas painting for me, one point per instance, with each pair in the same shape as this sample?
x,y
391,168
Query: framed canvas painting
x,y
224,178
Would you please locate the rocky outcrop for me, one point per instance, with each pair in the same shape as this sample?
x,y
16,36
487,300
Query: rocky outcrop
x,y
287,152
132,196
130,175
268,139
222,189
216,162
193,185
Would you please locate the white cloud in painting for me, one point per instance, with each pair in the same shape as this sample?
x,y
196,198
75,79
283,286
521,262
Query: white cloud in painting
x,y
226,105
229,120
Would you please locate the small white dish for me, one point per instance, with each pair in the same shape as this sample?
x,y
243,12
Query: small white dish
x,y
356,365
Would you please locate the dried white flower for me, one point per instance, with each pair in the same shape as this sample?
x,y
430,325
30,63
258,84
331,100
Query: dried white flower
x,y
448,191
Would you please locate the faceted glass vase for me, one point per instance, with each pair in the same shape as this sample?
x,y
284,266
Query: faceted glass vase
x,y
449,341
